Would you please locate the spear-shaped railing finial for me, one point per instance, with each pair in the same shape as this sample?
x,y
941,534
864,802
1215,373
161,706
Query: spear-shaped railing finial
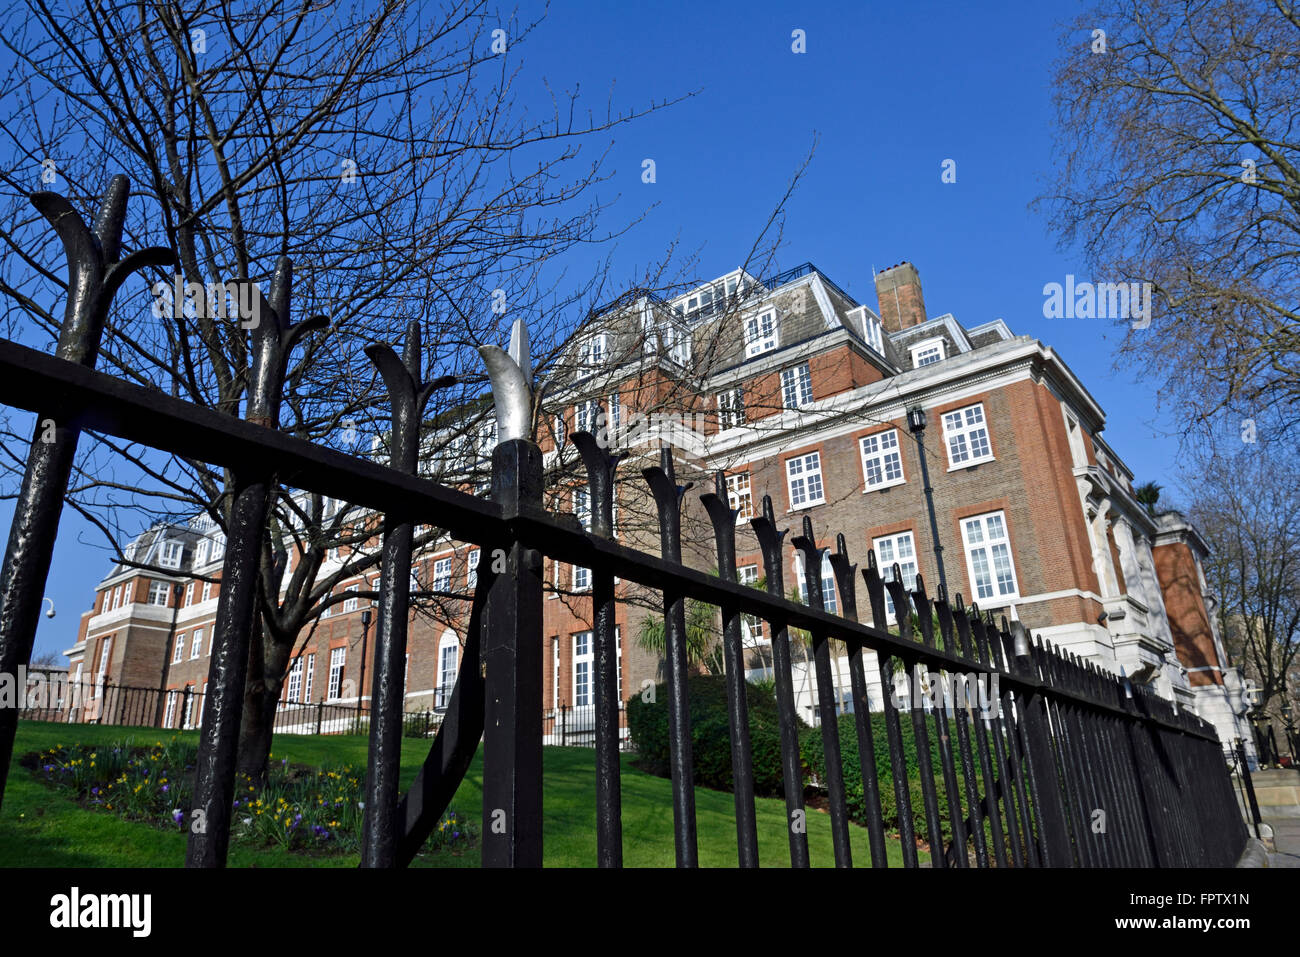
x,y
513,393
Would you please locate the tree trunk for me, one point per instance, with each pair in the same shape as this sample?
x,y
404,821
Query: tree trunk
x,y
266,668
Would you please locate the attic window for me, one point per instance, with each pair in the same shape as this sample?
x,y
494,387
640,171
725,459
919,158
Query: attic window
x,y
170,556
927,353
871,331
595,351
760,333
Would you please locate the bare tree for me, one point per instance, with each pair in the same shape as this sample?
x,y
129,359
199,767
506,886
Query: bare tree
x,y
1247,507
1180,166
381,148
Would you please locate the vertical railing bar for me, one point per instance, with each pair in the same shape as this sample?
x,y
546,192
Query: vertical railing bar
x,y
408,394
668,495
924,758
826,704
95,273
1012,715
957,716
600,466
893,724
769,541
861,707
723,517
942,721
989,803
1070,774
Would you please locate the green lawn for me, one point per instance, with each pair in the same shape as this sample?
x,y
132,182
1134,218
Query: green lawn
x,y
44,827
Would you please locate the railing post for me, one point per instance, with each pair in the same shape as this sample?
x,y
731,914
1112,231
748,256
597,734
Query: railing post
x,y
723,517
512,635
95,273
769,540
1248,785
273,337
668,498
600,466
408,394
1040,762
826,703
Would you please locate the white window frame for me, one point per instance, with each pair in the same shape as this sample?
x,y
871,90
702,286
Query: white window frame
x,y
889,551
170,553
293,687
751,626
104,654
920,352
614,421
471,568
586,415
350,604
201,552
338,661
309,672
117,597
199,634
170,717
442,574
595,351
881,454
196,644
796,386
992,545
964,431
740,495
448,668
218,547
207,591
731,408
189,594
873,332
805,472
178,650
587,660
159,589
762,333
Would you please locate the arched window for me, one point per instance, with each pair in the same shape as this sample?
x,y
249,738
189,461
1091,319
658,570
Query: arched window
x,y
448,659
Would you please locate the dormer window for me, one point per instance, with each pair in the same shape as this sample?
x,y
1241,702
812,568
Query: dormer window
x,y
677,341
927,353
595,351
871,331
170,556
760,333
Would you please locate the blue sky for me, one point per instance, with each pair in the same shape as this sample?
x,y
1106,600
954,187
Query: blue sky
x,y
891,90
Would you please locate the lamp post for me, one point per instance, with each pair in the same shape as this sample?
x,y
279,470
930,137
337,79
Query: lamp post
x,y
916,425
366,616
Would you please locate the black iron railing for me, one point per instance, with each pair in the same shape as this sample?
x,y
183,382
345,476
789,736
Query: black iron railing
x,y
1062,765
180,709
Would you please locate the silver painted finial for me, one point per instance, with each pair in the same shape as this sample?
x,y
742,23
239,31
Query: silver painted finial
x,y
512,384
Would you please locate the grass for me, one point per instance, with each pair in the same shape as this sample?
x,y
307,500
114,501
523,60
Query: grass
x,y
44,827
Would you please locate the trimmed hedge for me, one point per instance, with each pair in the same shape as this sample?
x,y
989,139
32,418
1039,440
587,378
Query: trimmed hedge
x,y
710,734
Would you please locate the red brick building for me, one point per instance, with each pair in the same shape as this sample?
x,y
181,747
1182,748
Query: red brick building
x,y
796,391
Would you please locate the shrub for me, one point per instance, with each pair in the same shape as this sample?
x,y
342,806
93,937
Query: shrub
x,y
814,761
710,734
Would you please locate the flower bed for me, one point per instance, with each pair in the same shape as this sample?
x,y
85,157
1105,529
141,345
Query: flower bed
x,y
301,809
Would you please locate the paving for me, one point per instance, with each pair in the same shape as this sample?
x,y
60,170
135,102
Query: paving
x,y
1286,841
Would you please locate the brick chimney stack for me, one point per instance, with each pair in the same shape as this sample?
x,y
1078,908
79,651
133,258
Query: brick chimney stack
x,y
898,293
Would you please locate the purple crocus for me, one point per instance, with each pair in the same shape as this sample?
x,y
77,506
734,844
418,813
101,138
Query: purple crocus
x,y
178,815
